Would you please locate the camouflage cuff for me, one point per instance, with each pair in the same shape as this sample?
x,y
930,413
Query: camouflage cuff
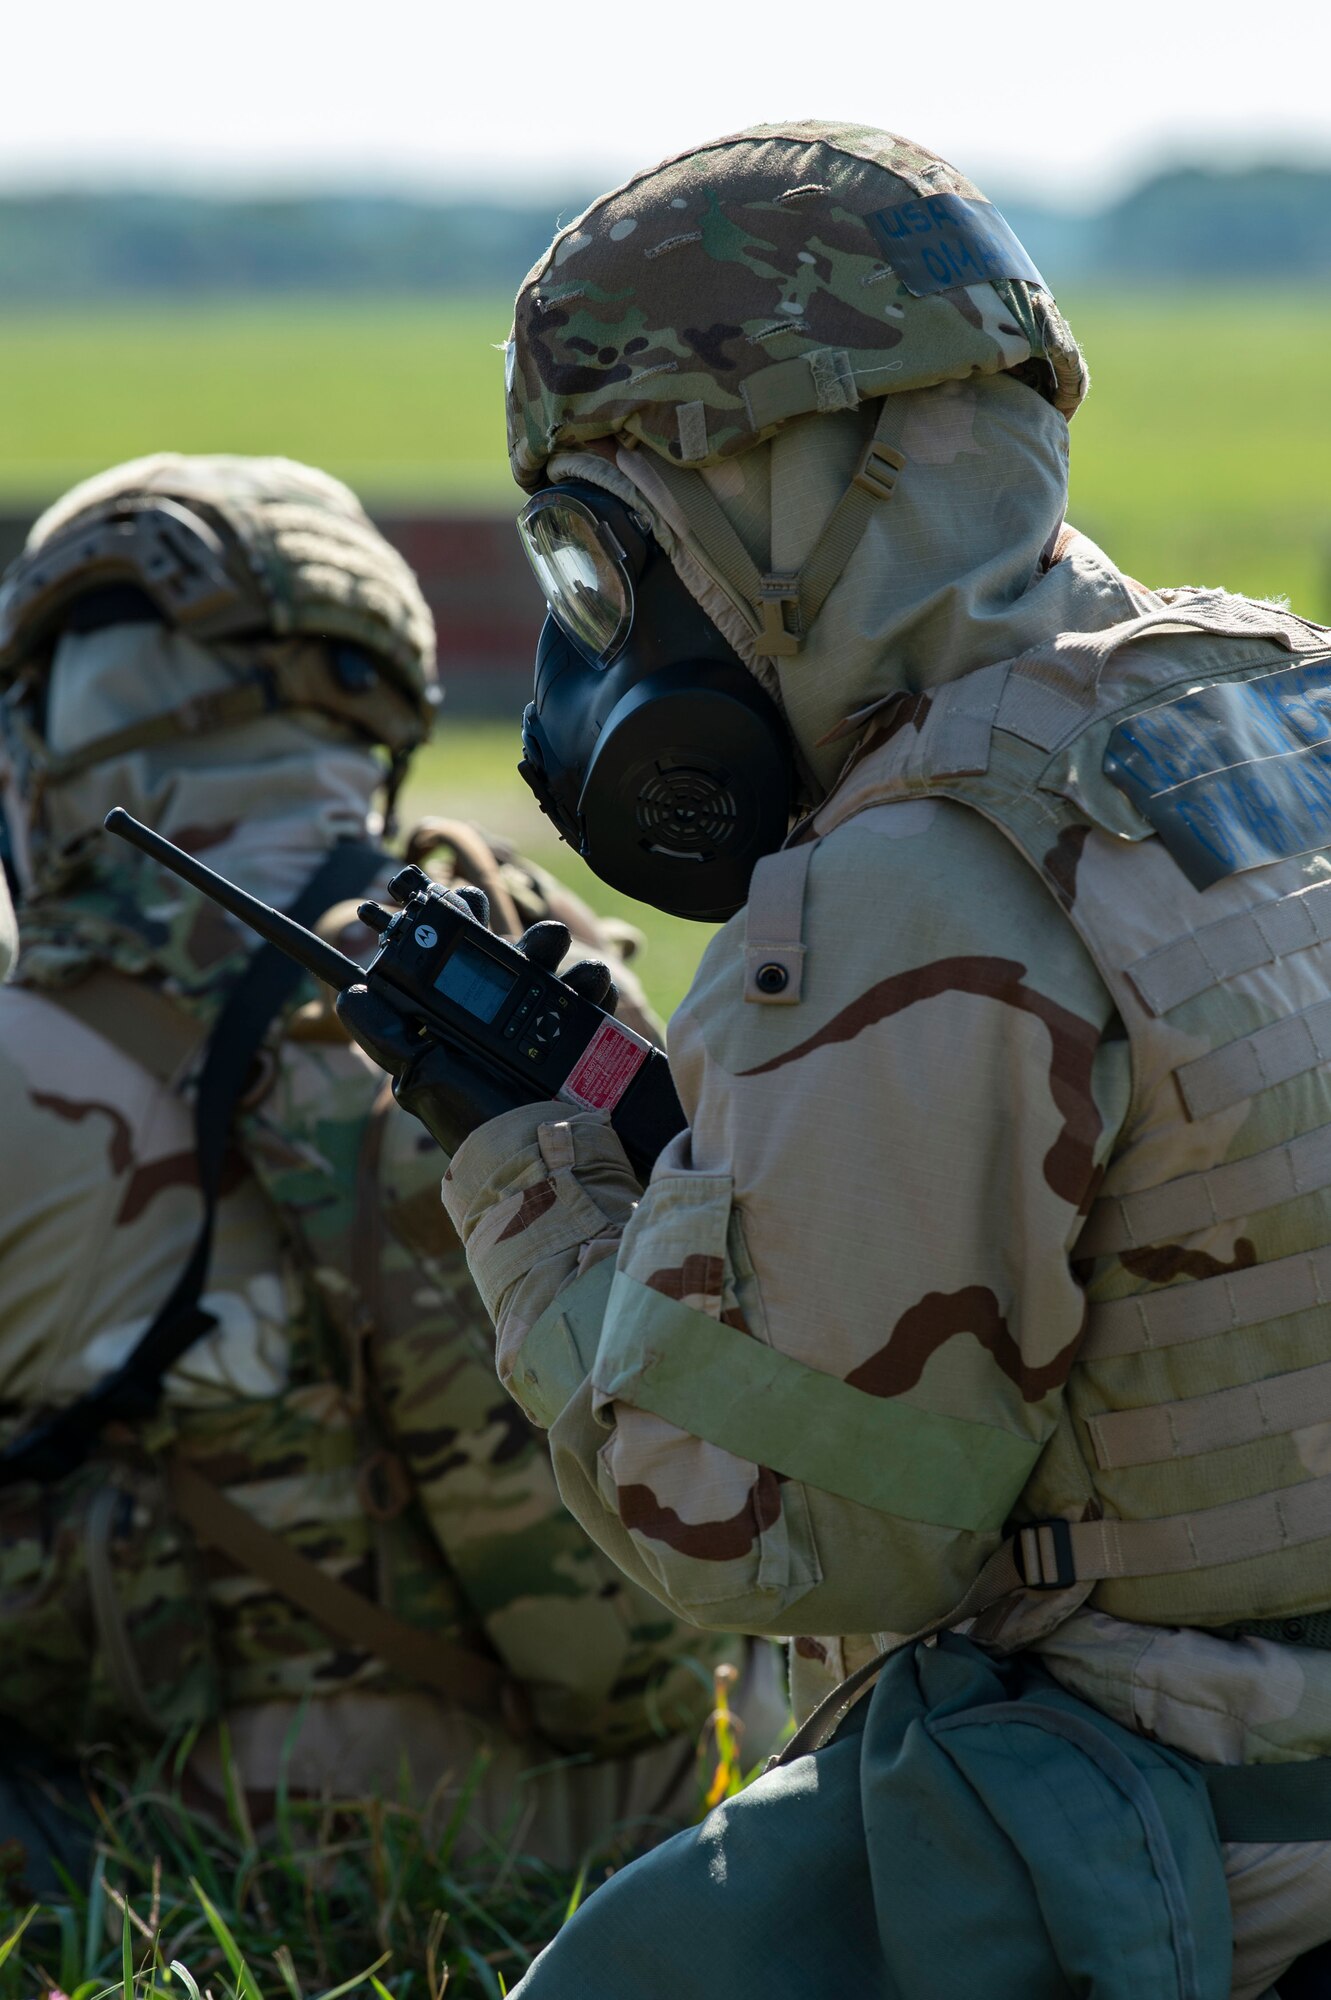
x,y
528,1186
556,1354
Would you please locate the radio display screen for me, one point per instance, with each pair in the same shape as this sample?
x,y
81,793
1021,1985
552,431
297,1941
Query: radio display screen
x,y
475,981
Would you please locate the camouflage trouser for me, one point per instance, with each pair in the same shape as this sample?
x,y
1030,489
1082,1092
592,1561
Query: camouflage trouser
x,y
46,1823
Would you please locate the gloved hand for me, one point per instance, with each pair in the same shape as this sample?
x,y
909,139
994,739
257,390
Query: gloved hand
x,y
448,1087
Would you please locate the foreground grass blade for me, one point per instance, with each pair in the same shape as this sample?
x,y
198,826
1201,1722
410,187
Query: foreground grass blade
x,y
247,1986
7,1944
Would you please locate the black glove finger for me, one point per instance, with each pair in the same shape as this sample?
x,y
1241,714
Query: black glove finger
x,y
385,1035
452,1091
591,978
545,944
476,901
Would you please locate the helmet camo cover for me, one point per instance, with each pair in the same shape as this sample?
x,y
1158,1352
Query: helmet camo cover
x,y
706,302
227,547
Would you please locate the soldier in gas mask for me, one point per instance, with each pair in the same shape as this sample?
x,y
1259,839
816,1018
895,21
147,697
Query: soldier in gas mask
x,y
987,1286
256,1469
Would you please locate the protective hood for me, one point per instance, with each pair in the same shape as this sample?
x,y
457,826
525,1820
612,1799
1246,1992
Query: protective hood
x,y
263,802
953,572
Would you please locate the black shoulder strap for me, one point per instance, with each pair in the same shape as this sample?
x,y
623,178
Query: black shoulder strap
x,y
58,1444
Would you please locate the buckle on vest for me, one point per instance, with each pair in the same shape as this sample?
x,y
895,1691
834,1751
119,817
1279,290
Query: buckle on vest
x,y
779,609
876,473
1043,1555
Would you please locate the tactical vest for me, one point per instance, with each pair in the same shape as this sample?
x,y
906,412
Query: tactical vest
x,y
1170,781
387,1519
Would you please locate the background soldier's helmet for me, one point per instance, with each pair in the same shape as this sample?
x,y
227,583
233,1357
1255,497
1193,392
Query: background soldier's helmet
x,y
783,271
240,550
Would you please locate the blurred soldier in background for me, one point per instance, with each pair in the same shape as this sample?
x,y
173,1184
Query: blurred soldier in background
x,y
257,1464
989,1282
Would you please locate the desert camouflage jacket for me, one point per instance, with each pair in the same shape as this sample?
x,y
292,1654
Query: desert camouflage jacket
x,y
863,1180
345,1398
804,1379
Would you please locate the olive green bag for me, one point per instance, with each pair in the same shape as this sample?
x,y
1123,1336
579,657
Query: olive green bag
x,y
970,1830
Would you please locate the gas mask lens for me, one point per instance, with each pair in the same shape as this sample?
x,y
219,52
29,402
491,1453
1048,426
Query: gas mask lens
x,y
581,570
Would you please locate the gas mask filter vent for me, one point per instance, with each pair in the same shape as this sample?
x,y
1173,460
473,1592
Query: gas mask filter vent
x,y
687,811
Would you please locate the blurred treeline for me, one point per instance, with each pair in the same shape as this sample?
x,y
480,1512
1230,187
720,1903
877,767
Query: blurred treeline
x,y
1191,224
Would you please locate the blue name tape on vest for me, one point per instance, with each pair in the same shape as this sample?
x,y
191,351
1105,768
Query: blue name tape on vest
x,y
941,241
1233,775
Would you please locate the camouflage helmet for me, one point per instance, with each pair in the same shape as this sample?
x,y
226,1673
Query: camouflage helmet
x,y
782,271
236,549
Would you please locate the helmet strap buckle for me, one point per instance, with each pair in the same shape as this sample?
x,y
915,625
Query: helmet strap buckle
x,y
778,602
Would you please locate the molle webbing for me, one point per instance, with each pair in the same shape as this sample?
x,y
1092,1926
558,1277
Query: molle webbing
x,y
1207,1539
1209,955
1198,1310
1226,1417
1218,1194
1274,1054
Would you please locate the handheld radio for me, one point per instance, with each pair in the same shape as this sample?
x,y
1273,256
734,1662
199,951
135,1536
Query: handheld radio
x,y
441,968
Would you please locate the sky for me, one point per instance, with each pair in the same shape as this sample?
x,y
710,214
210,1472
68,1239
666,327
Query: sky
x,y
1069,104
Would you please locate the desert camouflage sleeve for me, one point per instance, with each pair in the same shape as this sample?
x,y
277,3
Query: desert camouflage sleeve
x,y
799,1386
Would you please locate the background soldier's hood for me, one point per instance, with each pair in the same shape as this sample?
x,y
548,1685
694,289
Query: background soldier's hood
x,y
953,573
261,803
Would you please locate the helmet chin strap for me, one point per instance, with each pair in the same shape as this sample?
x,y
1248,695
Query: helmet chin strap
x,y
782,605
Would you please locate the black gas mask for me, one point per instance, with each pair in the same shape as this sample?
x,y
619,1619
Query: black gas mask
x,y
649,743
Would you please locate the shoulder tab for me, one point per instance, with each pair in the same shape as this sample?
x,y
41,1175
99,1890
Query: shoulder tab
x,y
774,927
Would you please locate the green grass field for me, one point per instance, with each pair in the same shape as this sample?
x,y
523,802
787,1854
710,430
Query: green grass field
x,y
1202,454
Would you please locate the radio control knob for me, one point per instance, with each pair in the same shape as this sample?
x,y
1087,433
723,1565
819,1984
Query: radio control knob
x,y
375,917
408,882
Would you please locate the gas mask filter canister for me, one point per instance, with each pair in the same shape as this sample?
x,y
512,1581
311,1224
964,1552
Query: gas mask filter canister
x,y
648,743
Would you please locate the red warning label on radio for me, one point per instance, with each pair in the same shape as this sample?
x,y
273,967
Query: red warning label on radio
x,y
605,1069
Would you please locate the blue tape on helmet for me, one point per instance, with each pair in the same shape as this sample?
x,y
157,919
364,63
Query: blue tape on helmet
x,y
942,241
